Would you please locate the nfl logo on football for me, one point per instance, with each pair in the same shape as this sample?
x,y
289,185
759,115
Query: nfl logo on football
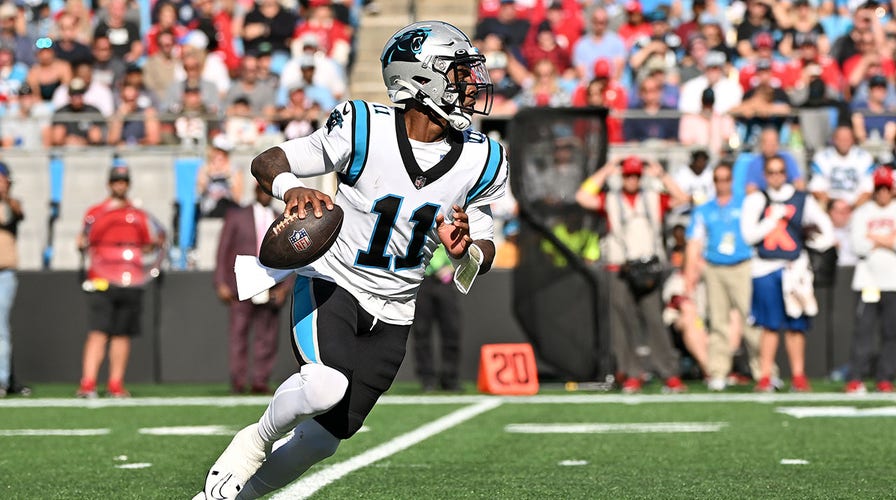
x,y
300,240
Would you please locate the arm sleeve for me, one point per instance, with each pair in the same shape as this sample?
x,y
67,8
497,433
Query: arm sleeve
x,y
753,229
328,149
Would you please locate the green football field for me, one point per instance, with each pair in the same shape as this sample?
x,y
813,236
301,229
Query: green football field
x,y
558,444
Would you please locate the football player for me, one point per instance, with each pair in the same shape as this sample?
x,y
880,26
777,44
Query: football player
x,y
410,178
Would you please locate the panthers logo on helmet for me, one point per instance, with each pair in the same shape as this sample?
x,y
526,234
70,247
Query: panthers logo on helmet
x,y
406,46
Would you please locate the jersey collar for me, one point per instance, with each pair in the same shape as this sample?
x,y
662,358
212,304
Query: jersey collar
x,y
418,177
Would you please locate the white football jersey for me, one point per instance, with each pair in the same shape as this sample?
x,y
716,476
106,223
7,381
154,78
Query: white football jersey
x,y
391,203
844,177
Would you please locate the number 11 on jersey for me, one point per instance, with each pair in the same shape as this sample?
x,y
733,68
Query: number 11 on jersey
x,y
423,218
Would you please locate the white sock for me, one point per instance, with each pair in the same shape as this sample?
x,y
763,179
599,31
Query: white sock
x,y
310,444
312,391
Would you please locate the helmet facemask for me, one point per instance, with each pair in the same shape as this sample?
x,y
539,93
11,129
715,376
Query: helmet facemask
x,y
469,89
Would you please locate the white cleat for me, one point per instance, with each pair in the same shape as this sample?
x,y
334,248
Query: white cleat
x,y
243,456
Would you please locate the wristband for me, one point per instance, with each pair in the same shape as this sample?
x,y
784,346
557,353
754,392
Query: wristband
x,y
468,269
283,183
590,186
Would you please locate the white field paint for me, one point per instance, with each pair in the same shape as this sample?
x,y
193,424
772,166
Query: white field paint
x,y
634,428
189,430
307,486
572,463
135,465
836,411
233,401
53,432
794,461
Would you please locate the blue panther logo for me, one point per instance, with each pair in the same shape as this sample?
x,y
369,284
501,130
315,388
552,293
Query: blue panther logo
x,y
406,47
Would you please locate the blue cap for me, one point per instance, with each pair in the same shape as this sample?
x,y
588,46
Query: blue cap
x,y
4,170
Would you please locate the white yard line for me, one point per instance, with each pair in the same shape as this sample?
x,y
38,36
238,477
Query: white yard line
x,y
53,432
309,485
232,401
628,428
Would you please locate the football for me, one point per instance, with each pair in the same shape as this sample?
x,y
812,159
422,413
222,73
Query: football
x,y
292,242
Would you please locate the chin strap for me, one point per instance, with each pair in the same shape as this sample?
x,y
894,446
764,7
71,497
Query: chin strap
x,y
457,119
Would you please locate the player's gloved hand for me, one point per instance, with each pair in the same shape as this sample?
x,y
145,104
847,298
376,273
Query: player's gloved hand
x,y
298,197
455,236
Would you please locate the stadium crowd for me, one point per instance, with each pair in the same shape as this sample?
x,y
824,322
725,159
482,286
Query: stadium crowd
x,y
757,90
253,71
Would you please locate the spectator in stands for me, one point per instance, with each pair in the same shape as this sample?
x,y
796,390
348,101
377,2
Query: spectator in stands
x,y
9,34
874,237
875,120
327,72
268,22
708,128
333,36
219,182
711,29
696,180
809,62
25,125
543,87
597,44
67,45
12,73
116,237
212,65
124,35
635,221
10,215
543,45
438,304
506,89
761,15
727,92
508,26
217,21
658,51
842,170
301,115
657,70
774,221
135,121
260,97
193,60
803,24
714,233
193,123
167,22
160,68
244,228
635,27
241,125
83,18
314,90
565,19
77,123
764,43
265,74
769,146
654,125
97,94
871,60
690,27
764,105
864,19
49,72
691,63
840,213
107,69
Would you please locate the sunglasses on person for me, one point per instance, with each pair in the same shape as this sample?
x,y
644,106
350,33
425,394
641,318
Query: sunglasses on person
x,y
777,171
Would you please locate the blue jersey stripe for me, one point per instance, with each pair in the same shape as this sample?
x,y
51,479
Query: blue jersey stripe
x,y
303,328
490,173
360,146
